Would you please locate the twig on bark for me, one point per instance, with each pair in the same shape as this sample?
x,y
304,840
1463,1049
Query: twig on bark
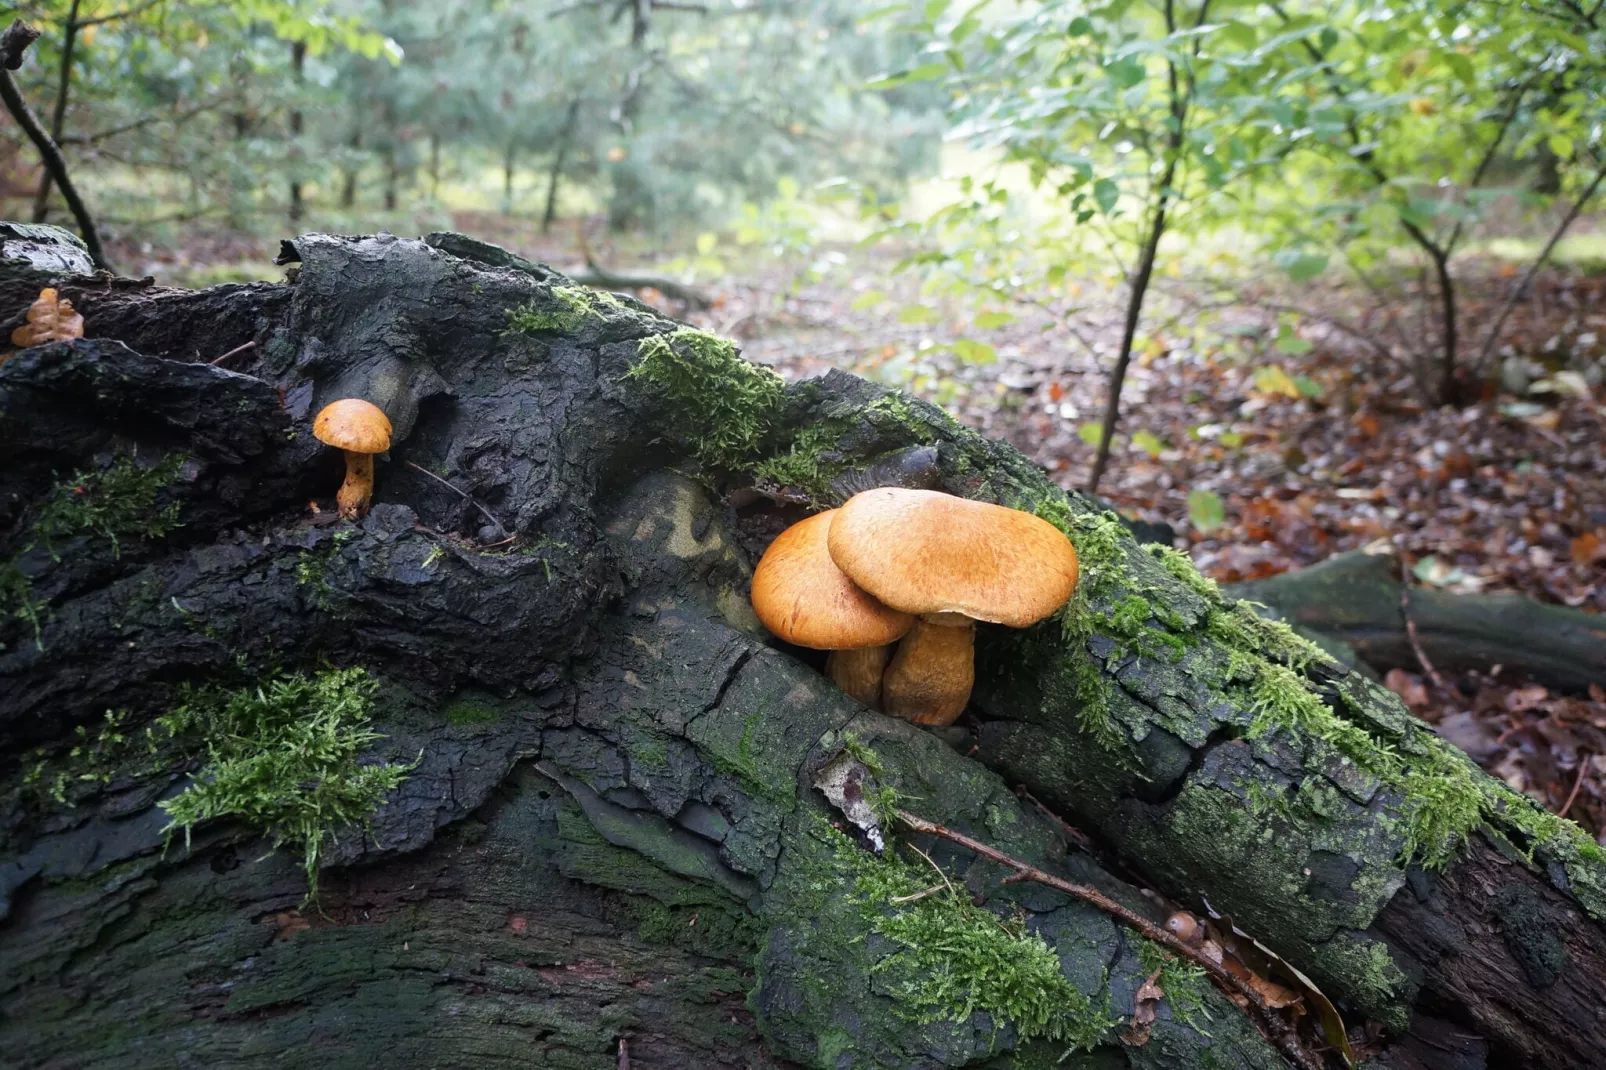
x,y
466,496
236,351
1410,631
1273,1025
624,1054
1578,782
13,43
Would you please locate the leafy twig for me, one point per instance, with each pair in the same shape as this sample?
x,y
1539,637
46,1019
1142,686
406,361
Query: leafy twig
x,y
1274,1026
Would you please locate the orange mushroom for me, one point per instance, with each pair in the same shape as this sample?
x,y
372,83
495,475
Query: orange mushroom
x,y
951,562
361,429
805,599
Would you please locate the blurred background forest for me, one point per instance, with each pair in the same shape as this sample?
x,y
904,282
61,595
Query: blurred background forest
x,y
1339,261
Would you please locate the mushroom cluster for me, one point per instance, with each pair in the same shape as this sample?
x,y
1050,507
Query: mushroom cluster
x,y
919,568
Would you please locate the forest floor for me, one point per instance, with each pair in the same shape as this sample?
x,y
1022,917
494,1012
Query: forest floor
x,y
1271,425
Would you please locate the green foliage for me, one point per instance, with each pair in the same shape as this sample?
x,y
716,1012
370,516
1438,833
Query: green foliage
x,y
1184,983
727,405
955,958
284,758
114,503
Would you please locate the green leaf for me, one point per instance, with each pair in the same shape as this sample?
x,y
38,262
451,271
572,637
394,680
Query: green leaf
x,y
1081,26
1308,387
972,352
1273,380
1561,145
988,320
923,73
868,299
706,241
1463,68
1148,443
918,314
1126,72
1206,511
1091,433
1301,266
1230,439
1106,193
1241,34
1291,343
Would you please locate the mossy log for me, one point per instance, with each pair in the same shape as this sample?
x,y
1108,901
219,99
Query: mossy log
x,y
1355,599
609,837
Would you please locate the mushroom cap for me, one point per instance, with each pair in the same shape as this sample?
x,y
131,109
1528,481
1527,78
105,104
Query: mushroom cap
x,y
353,424
926,552
805,599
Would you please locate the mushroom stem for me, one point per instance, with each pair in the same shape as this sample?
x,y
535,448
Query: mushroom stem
x,y
858,672
358,489
931,674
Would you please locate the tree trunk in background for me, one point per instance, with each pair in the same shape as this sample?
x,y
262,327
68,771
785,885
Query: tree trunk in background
x,y
564,140
348,184
434,165
611,832
509,158
58,114
298,66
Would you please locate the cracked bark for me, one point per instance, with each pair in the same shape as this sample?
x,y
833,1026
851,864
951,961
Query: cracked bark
x,y
621,841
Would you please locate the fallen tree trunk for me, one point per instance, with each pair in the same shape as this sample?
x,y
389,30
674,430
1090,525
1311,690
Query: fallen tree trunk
x,y
608,831
1355,598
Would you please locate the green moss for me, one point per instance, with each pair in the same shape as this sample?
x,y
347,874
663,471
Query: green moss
x,y
464,713
283,757
114,503
574,305
955,958
118,502
802,465
721,406
708,930
1181,566
312,569
1185,985
96,757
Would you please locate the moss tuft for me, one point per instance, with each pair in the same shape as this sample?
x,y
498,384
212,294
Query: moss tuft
x,y
283,758
956,958
118,502
1181,567
1185,985
574,306
723,407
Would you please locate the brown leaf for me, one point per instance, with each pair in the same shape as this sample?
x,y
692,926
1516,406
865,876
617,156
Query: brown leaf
x,y
50,319
1144,1002
1588,548
1273,994
1526,698
1408,686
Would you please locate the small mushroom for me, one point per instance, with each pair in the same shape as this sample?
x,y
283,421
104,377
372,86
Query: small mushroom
x,y
952,562
361,429
805,599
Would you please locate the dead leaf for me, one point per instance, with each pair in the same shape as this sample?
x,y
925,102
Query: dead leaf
x,y
1526,698
1588,548
1144,1002
1273,994
1408,686
50,319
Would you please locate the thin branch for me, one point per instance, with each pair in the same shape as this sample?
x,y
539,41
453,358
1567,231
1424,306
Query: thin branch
x,y
1274,1026
111,132
1533,269
13,44
1411,634
126,13
215,361
466,497
1489,153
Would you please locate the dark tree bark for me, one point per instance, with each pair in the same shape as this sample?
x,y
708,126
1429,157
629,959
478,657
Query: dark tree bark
x,y
611,832
298,69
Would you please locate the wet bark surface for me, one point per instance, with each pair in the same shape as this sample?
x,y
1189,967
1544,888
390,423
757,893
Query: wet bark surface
x,y
611,831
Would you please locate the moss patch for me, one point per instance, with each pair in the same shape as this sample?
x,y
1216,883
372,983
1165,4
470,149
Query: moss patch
x,y
1185,984
283,757
113,504
722,407
565,311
